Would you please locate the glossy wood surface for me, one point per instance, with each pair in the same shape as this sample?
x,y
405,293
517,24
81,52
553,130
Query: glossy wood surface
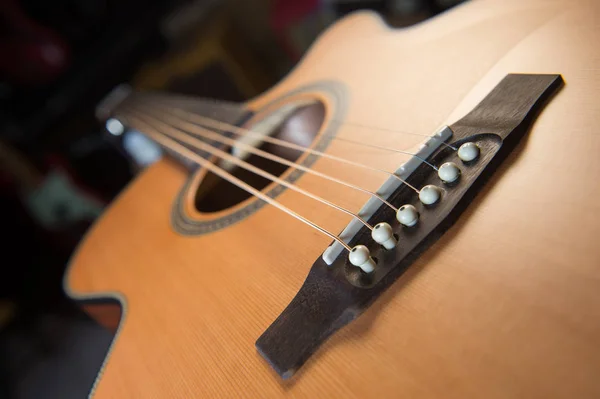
x,y
506,304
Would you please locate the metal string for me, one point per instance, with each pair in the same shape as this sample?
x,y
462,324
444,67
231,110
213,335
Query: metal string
x,y
154,97
194,124
212,122
379,147
201,120
198,144
174,146
388,130
208,134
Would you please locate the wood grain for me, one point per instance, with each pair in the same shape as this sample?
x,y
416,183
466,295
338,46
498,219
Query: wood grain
x,y
505,304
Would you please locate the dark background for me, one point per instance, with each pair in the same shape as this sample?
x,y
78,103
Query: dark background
x,y
59,167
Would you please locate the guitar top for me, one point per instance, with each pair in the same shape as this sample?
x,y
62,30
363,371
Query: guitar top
x,y
410,213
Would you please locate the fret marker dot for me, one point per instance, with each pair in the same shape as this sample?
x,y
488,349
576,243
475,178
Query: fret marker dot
x,y
384,235
449,172
407,215
468,152
430,194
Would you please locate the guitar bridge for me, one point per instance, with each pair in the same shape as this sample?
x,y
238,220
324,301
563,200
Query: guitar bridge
x,y
336,292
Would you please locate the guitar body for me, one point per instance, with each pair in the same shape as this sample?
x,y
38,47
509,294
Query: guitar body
x,y
505,304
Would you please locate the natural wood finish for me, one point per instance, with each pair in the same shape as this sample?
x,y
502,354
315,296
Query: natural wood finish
x,y
506,304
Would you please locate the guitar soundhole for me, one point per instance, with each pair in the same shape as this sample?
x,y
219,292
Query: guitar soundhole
x,y
300,125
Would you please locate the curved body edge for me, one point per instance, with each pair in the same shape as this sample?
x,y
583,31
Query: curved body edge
x,y
505,304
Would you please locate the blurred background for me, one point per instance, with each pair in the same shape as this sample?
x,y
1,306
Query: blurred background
x,y
59,166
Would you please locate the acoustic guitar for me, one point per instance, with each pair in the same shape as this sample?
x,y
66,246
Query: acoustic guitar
x,y
410,213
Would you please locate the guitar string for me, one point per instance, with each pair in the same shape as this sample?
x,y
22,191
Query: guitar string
x,y
215,124
160,98
208,134
388,130
178,134
241,132
174,146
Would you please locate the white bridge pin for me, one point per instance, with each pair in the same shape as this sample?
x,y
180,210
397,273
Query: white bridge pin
x,y
449,172
407,215
361,257
430,194
383,234
468,152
